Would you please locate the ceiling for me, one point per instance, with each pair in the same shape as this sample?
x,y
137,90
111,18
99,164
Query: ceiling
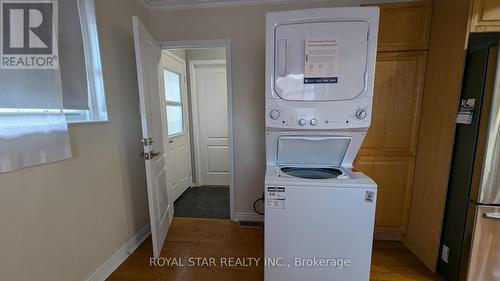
x,y
189,4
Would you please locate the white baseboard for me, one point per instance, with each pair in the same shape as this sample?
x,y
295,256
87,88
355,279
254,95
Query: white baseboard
x,y
247,217
120,256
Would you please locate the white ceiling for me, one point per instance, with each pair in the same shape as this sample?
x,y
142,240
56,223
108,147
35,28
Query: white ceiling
x,y
190,4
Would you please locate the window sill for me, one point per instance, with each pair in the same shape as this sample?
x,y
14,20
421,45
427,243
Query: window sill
x,y
85,122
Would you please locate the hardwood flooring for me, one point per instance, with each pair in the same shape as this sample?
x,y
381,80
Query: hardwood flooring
x,y
222,238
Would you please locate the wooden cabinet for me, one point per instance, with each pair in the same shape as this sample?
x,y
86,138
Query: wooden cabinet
x,y
399,82
394,176
388,152
404,26
485,16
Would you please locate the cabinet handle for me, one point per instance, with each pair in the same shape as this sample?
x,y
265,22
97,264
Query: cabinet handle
x,y
493,216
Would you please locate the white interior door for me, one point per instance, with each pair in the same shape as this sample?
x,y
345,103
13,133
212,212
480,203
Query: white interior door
x,y
153,118
209,92
176,104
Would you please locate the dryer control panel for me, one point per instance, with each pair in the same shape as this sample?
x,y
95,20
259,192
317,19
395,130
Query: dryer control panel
x,y
327,117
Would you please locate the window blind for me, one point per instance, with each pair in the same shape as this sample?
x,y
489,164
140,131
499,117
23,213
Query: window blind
x,y
36,83
33,137
72,57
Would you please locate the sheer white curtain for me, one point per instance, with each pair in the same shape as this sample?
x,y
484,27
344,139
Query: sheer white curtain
x,y
33,128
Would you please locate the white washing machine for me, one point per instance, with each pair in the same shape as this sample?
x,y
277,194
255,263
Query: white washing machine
x,y
319,211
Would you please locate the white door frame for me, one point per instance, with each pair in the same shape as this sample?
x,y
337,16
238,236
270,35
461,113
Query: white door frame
x,y
217,43
195,102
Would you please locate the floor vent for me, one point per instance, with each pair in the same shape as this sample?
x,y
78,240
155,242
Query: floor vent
x,y
251,223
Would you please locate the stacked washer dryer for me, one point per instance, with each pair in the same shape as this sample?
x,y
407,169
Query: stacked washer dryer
x,y
319,212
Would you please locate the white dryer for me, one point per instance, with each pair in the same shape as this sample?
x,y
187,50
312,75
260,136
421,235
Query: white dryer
x,y
319,212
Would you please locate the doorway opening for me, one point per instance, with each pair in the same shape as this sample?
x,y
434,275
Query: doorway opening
x,y
199,136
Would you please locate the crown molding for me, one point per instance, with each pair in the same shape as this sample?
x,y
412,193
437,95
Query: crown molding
x,y
192,4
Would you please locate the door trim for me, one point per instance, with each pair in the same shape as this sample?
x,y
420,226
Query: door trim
x,y
217,43
194,103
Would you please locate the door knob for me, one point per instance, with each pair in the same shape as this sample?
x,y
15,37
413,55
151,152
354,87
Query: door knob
x,y
150,155
154,154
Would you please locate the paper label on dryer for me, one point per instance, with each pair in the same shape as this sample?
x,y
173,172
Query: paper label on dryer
x,y
321,61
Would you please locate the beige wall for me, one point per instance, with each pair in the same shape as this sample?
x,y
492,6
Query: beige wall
x,y
206,54
62,221
180,53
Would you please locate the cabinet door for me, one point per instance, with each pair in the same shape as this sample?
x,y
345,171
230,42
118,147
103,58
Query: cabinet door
x,y
397,99
404,26
485,16
394,177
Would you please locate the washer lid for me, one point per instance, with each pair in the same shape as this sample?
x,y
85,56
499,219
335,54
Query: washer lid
x,y
312,151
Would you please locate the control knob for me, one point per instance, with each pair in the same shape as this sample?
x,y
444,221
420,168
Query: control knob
x,y
274,114
314,122
361,114
302,122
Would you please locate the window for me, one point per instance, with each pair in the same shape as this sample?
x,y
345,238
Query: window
x,y
89,104
173,98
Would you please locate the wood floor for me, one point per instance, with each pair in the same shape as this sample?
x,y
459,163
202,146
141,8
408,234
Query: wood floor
x,y
219,239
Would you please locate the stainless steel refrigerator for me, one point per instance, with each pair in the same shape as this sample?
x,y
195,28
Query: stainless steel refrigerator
x,y
470,242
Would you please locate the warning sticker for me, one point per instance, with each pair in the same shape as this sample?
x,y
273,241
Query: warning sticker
x,y
276,197
321,61
276,204
466,111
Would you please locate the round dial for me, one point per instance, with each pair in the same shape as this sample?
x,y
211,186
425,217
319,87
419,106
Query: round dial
x,y
302,122
314,122
361,114
274,114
